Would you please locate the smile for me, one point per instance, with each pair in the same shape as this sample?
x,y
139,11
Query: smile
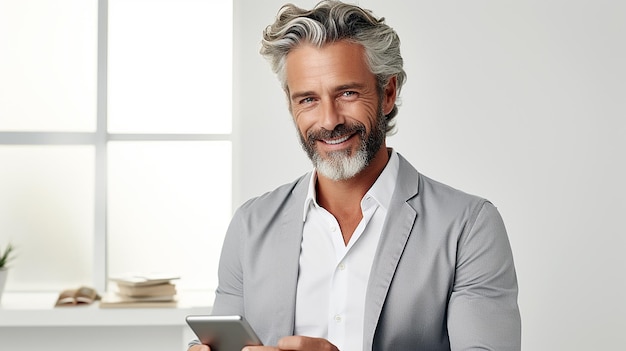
x,y
337,141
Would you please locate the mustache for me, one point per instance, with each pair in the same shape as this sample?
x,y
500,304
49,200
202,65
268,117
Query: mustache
x,y
338,131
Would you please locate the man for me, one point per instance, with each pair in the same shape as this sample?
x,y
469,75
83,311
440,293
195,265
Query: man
x,y
363,253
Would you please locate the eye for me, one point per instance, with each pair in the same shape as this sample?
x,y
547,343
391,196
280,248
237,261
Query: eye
x,y
349,94
306,100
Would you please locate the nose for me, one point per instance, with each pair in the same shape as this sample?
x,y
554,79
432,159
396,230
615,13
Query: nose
x,y
331,115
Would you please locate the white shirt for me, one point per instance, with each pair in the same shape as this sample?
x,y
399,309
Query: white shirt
x,y
333,276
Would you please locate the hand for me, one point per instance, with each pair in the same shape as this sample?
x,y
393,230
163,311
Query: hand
x,y
199,348
295,343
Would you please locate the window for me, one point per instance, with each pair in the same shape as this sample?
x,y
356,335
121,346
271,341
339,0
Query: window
x,y
115,139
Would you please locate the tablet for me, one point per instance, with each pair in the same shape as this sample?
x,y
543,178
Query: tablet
x,y
223,333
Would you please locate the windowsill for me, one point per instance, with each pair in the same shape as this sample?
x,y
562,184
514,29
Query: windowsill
x,y
37,310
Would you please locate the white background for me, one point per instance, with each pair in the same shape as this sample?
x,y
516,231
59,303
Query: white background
x,y
521,102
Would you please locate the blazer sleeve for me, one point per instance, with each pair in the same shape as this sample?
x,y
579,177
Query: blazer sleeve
x,y
482,310
229,293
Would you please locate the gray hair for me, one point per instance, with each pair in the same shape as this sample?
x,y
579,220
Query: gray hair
x,y
331,21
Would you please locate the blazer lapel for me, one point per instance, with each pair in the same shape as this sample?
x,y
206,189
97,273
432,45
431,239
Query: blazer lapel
x,y
398,225
289,241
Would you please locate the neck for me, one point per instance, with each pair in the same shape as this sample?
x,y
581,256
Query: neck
x,y
343,198
336,196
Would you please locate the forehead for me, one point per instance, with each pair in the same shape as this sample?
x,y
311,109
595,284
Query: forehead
x,y
336,63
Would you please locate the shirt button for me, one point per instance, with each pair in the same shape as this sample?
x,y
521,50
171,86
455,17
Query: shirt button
x,y
342,266
333,228
337,318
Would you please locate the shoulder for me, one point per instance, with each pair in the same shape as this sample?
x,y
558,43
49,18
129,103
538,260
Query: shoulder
x,y
433,190
416,187
432,198
466,218
272,201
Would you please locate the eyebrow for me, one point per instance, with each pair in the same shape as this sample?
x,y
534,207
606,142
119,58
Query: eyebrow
x,y
297,95
348,86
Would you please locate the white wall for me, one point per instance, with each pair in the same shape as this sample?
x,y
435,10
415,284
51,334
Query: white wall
x,y
523,103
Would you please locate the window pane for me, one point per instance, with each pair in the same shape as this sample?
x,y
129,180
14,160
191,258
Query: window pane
x,y
170,66
47,211
48,52
169,204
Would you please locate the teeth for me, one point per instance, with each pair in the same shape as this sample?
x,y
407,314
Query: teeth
x,y
337,141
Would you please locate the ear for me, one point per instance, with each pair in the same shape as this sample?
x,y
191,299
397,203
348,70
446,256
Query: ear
x,y
389,95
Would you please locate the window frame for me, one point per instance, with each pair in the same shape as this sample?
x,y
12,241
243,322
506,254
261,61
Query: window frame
x,y
100,140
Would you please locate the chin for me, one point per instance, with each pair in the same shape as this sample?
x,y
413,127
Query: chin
x,y
339,166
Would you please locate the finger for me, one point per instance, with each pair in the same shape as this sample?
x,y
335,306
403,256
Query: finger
x,y
303,343
200,348
260,348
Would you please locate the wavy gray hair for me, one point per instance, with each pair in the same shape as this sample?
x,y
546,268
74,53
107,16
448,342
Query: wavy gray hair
x,y
331,21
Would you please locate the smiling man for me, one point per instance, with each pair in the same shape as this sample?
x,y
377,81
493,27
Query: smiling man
x,y
363,252
340,117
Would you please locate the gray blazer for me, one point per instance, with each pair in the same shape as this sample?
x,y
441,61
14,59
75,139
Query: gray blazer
x,y
442,279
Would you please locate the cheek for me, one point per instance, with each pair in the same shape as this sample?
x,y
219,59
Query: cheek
x,y
300,128
303,121
369,116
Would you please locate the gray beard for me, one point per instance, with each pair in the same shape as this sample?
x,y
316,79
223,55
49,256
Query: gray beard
x,y
343,164
339,165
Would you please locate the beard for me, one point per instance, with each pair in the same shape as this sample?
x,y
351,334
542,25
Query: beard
x,y
345,164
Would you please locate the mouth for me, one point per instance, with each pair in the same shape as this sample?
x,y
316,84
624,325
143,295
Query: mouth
x,y
336,141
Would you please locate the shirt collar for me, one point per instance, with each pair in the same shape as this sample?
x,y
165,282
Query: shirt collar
x,y
381,190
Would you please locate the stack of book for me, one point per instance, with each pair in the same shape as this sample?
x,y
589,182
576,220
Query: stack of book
x,y
141,290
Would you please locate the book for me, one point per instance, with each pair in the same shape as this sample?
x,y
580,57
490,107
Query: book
x,y
114,300
73,297
147,290
113,296
141,290
143,279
